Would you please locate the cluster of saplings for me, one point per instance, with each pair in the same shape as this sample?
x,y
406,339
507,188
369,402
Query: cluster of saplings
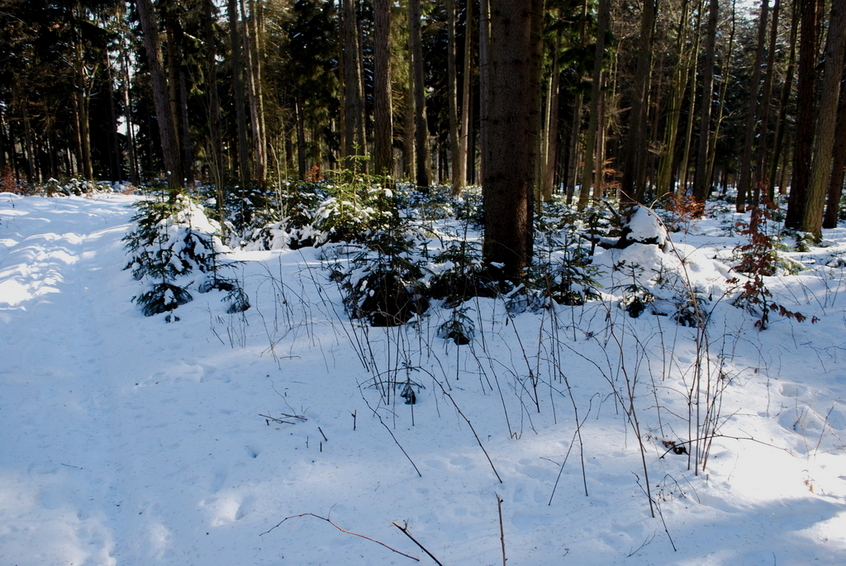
x,y
393,250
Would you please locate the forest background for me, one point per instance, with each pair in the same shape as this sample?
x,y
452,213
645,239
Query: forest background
x,y
527,99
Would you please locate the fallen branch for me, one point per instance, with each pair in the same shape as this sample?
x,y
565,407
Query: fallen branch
x,y
281,421
423,548
343,531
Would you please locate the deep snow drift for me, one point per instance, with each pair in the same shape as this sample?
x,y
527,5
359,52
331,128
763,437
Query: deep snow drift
x,y
129,441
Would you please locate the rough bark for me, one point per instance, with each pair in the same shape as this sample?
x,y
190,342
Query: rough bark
x,y
383,133
423,173
821,167
805,118
512,116
838,165
164,117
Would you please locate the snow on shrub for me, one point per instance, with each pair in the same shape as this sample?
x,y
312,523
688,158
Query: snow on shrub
x,y
173,247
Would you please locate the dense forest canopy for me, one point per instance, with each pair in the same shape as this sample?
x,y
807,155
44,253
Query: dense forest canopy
x,y
610,97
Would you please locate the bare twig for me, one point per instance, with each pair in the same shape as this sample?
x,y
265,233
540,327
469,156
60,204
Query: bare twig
x,y
423,548
473,430
378,416
268,418
342,530
501,529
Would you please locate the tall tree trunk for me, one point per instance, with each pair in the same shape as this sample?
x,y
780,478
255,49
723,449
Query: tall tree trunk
x,y
805,118
743,185
464,132
702,182
782,105
238,92
725,72
383,151
164,117
253,71
679,87
185,121
512,115
28,146
452,93
258,71
484,78
115,168
301,141
633,187
821,167
603,23
353,105
759,179
421,130
550,146
408,131
214,145
127,103
178,83
575,148
838,165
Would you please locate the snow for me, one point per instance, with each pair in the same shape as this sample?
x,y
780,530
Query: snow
x,y
129,441
645,226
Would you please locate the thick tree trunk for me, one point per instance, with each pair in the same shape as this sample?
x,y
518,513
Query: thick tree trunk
x,y
164,117
821,168
805,119
383,152
512,116
838,166
421,130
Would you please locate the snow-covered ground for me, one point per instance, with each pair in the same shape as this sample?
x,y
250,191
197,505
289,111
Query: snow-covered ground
x,y
129,441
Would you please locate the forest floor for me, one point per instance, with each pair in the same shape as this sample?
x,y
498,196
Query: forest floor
x,y
279,436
